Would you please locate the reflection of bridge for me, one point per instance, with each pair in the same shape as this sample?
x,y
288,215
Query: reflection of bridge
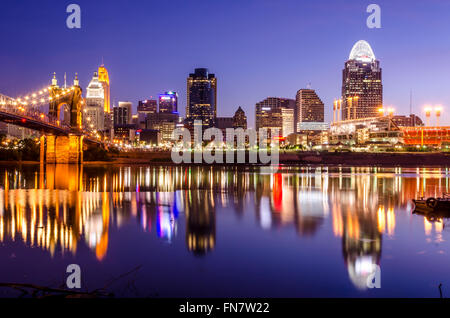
x,y
61,142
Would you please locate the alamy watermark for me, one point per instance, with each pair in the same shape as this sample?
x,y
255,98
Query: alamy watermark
x,y
73,21
74,279
374,278
374,19
239,146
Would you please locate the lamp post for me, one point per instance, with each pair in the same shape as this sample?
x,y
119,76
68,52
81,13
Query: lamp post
x,y
334,110
381,111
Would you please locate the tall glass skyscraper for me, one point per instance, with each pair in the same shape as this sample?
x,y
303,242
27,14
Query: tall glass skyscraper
x,y
201,97
362,89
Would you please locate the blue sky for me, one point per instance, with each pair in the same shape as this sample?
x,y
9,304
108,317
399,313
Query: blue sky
x,y
256,48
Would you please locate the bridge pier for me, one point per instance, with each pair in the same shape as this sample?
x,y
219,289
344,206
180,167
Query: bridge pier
x,y
61,149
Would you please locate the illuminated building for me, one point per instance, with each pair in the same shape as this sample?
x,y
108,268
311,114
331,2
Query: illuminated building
x,y
379,130
240,119
103,78
287,118
201,97
144,109
123,114
309,107
407,121
269,113
125,132
165,123
168,103
362,89
428,136
93,112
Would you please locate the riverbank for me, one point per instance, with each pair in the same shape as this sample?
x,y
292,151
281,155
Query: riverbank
x,y
289,158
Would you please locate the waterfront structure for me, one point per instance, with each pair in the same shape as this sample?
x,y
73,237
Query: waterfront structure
x,y
309,107
144,109
93,112
201,97
269,113
407,121
362,89
168,103
240,119
375,130
426,136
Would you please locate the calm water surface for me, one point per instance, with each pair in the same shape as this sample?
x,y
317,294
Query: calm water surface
x,y
222,231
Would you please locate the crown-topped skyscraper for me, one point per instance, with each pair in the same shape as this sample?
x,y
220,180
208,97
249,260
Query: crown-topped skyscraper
x,y
362,89
103,78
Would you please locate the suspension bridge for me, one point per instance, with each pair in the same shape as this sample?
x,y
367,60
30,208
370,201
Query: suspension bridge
x,y
60,141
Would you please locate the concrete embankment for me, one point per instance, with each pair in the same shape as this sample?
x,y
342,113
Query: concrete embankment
x,y
311,158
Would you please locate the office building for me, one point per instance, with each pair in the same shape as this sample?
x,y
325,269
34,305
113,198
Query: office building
x,y
168,103
201,98
103,78
165,123
123,114
362,89
93,111
240,119
287,118
144,109
309,107
269,113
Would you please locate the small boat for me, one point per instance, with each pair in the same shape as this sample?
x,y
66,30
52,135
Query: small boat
x,y
425,206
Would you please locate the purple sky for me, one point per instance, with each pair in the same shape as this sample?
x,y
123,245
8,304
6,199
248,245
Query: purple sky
x,y
256,48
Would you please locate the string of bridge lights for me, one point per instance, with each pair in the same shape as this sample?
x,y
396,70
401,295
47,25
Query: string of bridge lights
x,y
38,98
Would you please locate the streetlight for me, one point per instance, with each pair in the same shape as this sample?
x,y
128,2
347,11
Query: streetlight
x,y
381,111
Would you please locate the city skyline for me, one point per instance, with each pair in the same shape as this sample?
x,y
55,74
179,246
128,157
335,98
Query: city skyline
x,y
245,76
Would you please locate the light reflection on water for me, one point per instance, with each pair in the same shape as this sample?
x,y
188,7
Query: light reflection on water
x,y
60,208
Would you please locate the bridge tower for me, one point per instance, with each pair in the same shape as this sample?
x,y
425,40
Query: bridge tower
x,y
64,149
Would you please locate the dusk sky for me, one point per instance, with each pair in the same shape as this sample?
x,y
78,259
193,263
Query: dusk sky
x,y
256,48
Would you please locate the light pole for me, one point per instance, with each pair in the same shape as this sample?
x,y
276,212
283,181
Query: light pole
x,y
428,110
438,111
391,112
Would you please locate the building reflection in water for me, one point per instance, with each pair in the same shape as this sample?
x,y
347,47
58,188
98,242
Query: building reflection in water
x,y
57,207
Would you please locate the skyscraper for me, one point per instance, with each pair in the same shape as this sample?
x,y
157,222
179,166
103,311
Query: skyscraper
x,y
123,114
240,119
93,112
168,103
362,89
201,97
144,109
309,107
269,113
103,78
